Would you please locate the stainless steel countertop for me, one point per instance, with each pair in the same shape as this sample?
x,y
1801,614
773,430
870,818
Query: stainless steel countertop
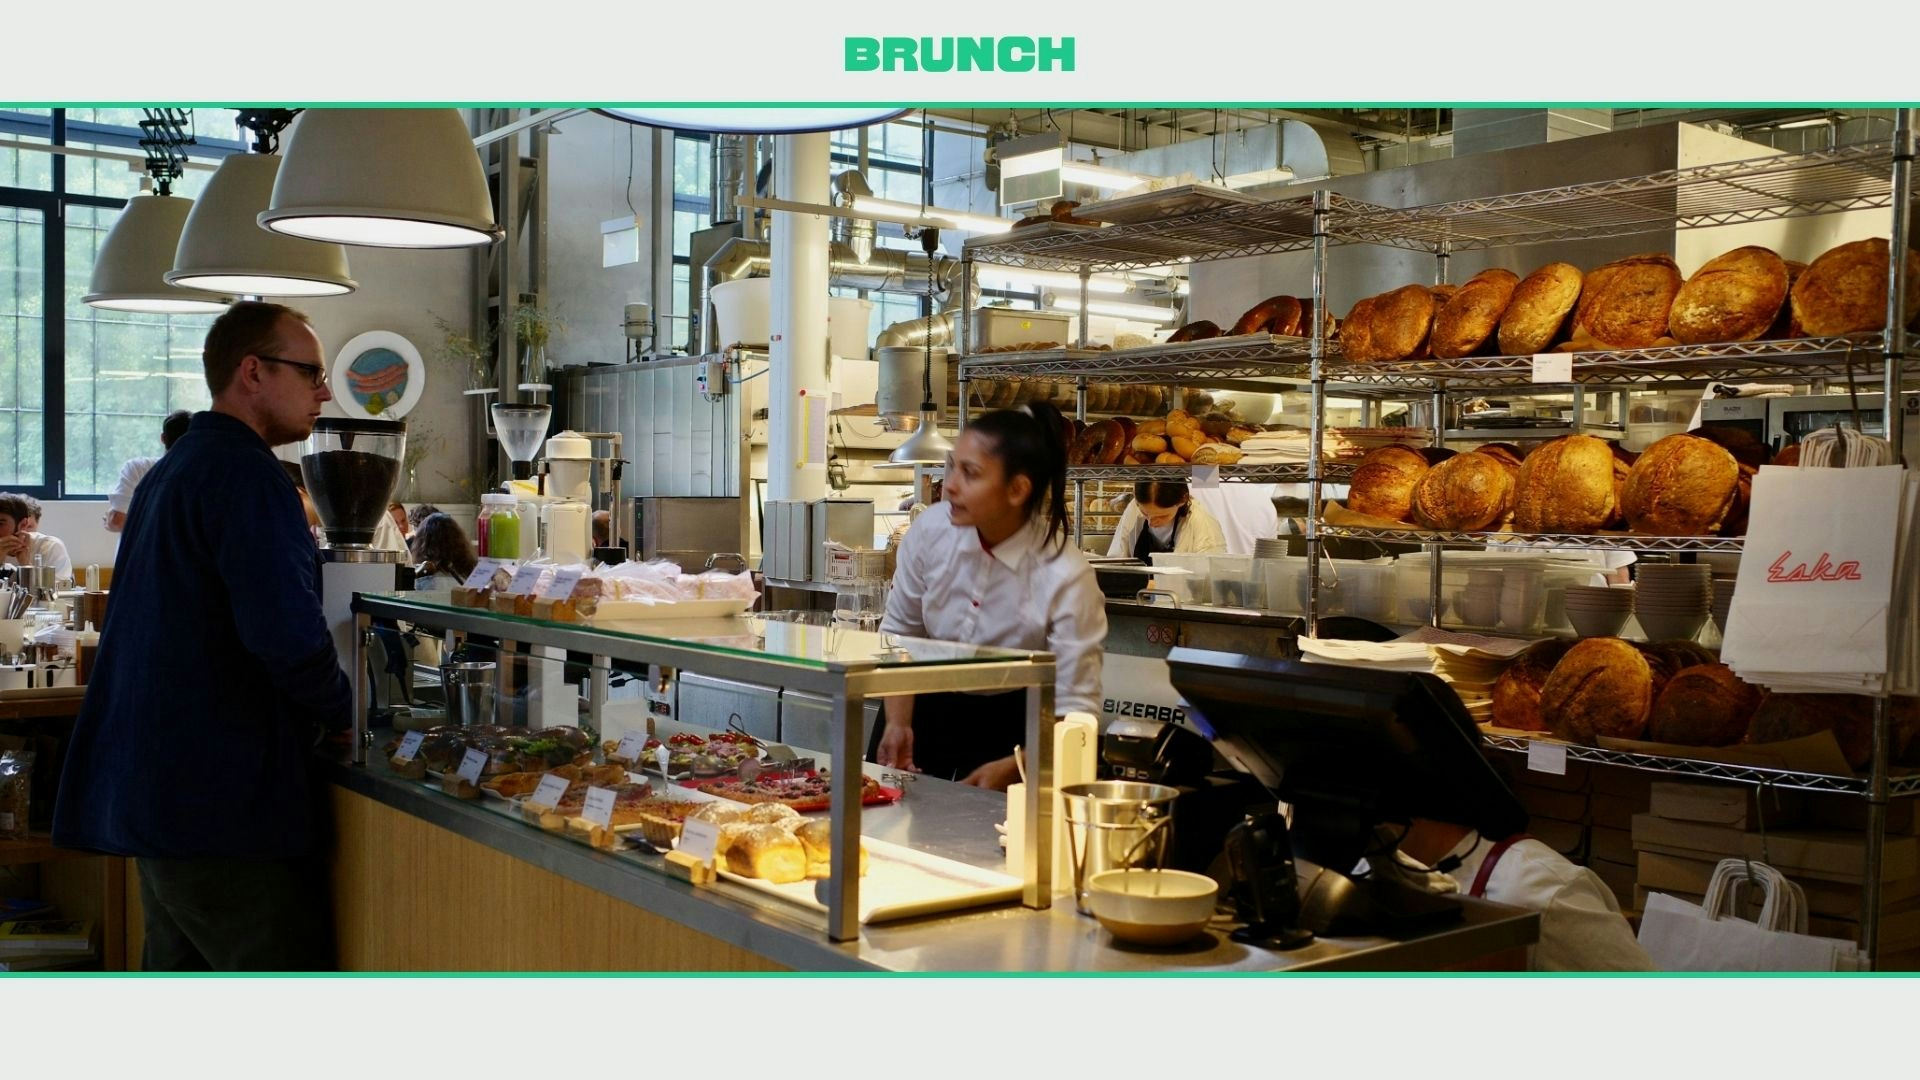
x,y
1207,613
950,820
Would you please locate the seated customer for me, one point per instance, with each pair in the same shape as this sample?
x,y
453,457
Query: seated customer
x,y
20,545
442,553
417,515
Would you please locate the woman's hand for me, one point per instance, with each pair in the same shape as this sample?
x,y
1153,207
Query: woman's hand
x,y
994,775
896,746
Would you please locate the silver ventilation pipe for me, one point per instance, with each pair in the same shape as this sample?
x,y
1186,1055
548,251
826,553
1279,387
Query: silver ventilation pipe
x,y
887,270
856,233
729,153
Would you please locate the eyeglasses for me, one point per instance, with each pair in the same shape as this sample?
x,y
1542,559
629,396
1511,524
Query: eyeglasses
x,y
316,374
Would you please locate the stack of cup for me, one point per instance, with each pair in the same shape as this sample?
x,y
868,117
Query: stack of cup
x,y
1672,600
1598,610
1523,597
1479,603
1722,601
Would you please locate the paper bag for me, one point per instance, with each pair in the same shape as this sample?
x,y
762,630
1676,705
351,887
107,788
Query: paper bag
x,y
1816,579
1680,937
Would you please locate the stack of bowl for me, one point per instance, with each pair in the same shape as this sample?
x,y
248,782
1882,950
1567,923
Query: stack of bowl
x,y
1598,610
1479,603
1269,547
1671,600
1722,601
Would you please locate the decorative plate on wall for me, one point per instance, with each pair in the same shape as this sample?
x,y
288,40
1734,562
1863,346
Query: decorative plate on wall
x,y
378,376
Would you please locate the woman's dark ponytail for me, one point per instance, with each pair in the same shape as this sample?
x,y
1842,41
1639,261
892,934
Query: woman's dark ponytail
x,y
1031,441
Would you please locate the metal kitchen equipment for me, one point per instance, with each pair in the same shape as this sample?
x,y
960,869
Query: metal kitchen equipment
x,y
860,583
470,691
521,429
1114,825
351,468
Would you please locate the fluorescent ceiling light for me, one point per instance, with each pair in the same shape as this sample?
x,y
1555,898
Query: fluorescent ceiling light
x,y
1144,312
1091,175
755,121
130,272
910,213
1003,276
225,249
403,178
1812,121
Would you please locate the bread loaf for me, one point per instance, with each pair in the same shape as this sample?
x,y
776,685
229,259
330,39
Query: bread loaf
x,y
1602,687
1470,318
769,852
1734,297
1516,693
1195,331
816,837
1680,486
1281,311
1398,325
1784,324
1356,334
1566,486
1537,313
1844,291
1795,716
1464,493
1383,483
1704,705
1505,453
1625,304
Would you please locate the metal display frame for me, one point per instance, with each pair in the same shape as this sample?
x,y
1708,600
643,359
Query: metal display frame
x,y
1867,176
848,683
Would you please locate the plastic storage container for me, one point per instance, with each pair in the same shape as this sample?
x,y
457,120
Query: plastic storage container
x,y
1286,581
1531,598
1237,582
1367,590
1193,588
497,529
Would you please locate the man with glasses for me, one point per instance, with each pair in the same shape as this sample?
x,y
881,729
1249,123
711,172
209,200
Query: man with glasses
x,y
217,674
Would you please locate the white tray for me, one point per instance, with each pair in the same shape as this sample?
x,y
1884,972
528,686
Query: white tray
x,y
901,883
617,610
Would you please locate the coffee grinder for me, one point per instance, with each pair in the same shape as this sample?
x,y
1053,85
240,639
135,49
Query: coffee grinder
x,y
351,468
522,429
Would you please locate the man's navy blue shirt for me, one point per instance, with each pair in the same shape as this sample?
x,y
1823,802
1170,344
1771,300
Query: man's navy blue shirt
x,y
216,668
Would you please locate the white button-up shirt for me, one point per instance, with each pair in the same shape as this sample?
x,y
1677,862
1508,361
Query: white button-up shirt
x,y
1022,594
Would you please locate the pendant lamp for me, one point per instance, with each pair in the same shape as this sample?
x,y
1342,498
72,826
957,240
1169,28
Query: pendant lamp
x,y
130,272
401,178
926,446
761,121
225,248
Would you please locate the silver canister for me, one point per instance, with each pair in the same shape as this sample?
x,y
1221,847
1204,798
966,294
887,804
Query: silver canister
x,y
1116,825
470,693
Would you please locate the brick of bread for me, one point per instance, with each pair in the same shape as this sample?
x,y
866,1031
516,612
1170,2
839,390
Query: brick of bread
x,y
1844,291
1464,493
1625,304
1680,486
1566,486
1469,319
1537,313
1383,483
1356,336
1602,687
1734,297
1516,693
1399,322
1704,705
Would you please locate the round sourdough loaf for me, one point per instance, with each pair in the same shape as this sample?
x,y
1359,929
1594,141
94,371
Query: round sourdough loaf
x,y
1734,297
1680,486
1356,333
1602,687
1537,313
1704,705
1465,493
1383,483
1399,323
1565,486
1625,304
1470,318
1844,291
1516,693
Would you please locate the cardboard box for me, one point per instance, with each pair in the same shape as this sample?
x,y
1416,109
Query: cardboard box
x,y
1615,811
1564,837
1735,806
1578,777
1835,811
1620,877
1630,783
1610,844
1568,806
1675,874
1718,841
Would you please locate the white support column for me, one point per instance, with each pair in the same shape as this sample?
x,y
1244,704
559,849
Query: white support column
x,y
798,391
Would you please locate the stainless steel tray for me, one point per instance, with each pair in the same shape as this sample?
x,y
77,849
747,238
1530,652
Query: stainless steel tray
x,y
1166,203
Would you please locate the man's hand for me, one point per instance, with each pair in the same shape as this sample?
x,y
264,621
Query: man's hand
x,y
14,547
896,746
995,775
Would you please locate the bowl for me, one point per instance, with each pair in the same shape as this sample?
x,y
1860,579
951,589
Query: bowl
x,y
1597,623
1670,627
1152,907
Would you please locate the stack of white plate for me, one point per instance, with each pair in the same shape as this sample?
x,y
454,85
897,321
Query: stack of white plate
x,y
1598,610
1672,600
1722,601
1270,547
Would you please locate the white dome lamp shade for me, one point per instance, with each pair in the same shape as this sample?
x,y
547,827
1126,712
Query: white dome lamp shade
x,y
225,249
397,178
755,121
130,272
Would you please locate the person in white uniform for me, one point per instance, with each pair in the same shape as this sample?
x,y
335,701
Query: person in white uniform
x,y
120,500
1581,928
992,565
1163,517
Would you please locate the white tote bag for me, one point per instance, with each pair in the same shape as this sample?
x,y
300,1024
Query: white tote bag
x,y
1682,937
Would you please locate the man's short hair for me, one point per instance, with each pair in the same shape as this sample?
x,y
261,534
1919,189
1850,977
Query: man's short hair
x,y
174,426
18,507
247,328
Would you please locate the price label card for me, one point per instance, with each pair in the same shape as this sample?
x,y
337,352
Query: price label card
x,y
551,790
562,584
525,580
482,573
699,838
632,748
471,764
599,808
1206,476
1547,757
1553,367
409,746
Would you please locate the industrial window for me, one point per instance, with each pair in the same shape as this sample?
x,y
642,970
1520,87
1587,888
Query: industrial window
x,y
110,376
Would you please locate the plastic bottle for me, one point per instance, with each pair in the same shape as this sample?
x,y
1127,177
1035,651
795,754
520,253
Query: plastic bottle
x,y
498,527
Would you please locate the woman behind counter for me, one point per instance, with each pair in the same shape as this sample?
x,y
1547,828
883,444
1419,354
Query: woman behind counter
x,y
991,565
1164,517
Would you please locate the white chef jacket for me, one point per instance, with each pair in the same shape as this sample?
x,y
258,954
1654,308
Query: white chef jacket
x,y
1245,513
121,498
52,553
386,535
1581,928
1022,594
1198,534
